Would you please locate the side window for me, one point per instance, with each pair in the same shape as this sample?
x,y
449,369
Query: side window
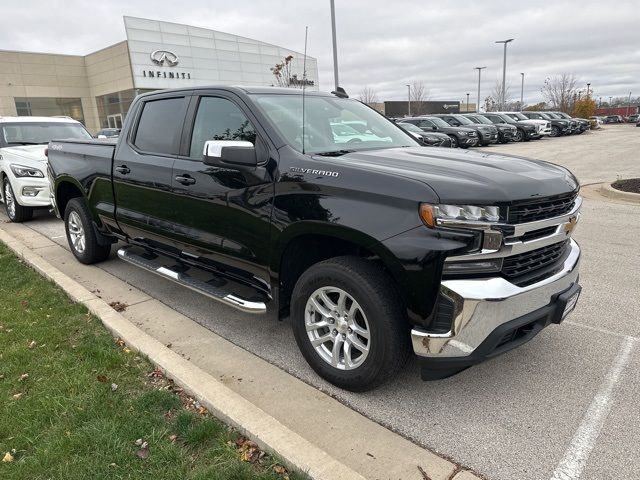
x,y
219,119
426,124
160,126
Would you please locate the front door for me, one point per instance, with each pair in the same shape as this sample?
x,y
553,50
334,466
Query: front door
x,y
143,167
223,214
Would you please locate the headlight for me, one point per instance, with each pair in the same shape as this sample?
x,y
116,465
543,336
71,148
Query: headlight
x,y
22,171
432,215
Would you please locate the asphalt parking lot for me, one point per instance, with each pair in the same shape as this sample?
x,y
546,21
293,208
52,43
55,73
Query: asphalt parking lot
x,y
566,402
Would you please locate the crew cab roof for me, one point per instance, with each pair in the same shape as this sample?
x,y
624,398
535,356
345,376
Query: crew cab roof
x,y
242,89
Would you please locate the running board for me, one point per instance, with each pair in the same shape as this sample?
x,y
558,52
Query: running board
x,y
152,265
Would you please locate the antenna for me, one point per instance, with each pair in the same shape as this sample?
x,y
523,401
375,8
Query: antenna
x,y
304,80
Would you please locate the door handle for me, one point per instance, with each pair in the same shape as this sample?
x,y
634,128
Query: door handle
x,y
123,169
185,180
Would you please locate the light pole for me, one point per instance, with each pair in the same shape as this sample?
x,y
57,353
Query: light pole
x,y
479,73
409,98
504,70
588,86
628,104
599,102
335,47
610,100
467,103
522,92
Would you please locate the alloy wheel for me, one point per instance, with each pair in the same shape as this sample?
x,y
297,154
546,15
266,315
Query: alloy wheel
x,y
337,328
9,201
76,232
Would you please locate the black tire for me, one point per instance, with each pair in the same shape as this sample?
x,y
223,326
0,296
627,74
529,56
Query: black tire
x,y
92,252
16,212
373,290
555,132
520,136
454,141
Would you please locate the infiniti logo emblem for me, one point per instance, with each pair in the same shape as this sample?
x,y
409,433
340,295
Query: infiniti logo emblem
x,y
164,57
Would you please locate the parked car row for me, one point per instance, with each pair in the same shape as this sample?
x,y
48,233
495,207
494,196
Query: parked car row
x,y
481,129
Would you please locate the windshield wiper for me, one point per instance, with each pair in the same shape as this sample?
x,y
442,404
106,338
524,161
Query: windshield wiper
x,y
25,143
334,153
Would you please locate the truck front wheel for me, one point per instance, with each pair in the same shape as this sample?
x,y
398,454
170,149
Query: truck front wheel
x,y
81,235
349,324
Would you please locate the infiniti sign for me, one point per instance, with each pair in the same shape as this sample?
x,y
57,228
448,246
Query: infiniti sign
x,y
164,57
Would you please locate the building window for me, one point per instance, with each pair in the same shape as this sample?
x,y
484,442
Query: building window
x,y
49,107
113,107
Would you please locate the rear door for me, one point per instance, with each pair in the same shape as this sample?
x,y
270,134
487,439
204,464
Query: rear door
x,y
222,215
143,167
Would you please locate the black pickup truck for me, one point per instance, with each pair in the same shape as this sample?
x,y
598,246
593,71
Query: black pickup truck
x,y
371,245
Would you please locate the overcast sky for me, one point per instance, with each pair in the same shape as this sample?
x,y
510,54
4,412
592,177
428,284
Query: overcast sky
x,y
381,44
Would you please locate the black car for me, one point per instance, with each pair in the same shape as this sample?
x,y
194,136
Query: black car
x,y
613,119
524,131
506,132
558,126
583,124
430,139
487,133
461,137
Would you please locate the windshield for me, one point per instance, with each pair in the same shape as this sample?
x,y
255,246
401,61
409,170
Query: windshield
x,y
563,115
481,119
27,133
518,116
439,122
329,124
411,127
505,119
463,120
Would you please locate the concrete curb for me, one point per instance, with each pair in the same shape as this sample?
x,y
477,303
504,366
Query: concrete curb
x,y
608,191
221,401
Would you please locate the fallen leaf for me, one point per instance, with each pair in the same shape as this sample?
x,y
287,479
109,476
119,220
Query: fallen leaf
x,y
126,350
101,379
114,387
24,376
33,344
173,438
113,465
1,377
280,469
7,457
143,453
118,306
139,441
156,373
17,396
24,303
120,342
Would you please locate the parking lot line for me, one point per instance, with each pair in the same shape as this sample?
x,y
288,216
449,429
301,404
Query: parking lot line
x,y
602,330
576,456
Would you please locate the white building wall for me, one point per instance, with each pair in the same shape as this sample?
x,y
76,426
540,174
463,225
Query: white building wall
x,y
206,57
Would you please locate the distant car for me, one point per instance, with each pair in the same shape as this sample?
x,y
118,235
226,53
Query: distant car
x,y
524,131
543,126
635,118
431,139
558,126
460,136
506,133
108,133
595,122
613,119
581,124
487,134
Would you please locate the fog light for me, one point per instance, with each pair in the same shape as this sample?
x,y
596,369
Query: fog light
x,y
482,266
31,191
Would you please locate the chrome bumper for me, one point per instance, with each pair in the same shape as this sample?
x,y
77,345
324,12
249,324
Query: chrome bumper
x,y
484,304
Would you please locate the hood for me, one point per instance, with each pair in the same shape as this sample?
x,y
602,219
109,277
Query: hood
x,y
453,129
28,152
534,121
468,176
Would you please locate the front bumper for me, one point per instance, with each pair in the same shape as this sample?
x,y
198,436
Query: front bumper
x,y
30,191
486,309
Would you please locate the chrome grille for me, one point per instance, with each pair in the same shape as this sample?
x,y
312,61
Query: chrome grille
x,y
541,209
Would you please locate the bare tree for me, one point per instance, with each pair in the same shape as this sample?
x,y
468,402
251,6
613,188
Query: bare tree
x,y
560,91
419,95
496,95
368,95
284,76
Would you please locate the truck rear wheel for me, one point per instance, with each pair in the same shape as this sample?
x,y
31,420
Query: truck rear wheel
x,y
16,212
81,235
349,324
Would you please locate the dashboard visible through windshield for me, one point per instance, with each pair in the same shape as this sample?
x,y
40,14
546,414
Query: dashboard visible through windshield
x,y
40,133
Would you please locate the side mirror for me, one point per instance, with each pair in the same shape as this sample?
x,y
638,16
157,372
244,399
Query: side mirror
x,y
230,153
434,128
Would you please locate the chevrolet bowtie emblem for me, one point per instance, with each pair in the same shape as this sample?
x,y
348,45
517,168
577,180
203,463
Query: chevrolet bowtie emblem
x,y
570,226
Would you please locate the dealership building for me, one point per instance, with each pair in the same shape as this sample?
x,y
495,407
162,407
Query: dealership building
x,y
97,89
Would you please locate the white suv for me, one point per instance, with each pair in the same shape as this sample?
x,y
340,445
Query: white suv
x,y
23,163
